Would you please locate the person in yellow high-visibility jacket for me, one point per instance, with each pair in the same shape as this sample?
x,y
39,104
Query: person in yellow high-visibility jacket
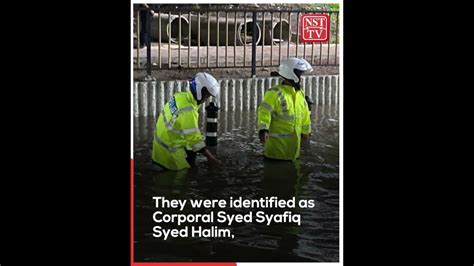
x,y
283,115
177,137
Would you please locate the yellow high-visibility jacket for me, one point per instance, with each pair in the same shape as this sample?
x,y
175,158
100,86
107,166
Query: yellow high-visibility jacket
x,y
284,113
177,129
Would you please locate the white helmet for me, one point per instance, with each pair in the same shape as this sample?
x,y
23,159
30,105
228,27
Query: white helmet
x,y
206,80
288,66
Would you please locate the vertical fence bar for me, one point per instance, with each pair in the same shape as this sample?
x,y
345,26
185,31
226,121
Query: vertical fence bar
x,y
281,37
179,40
329,40
217,44
226,35
208,36
297,32
199,39
271,39
337,33
159,39
189,40
245,35
138,39
263,34
254,43
312,53
289,34
235,35
320,52
304,45
168,27
148,43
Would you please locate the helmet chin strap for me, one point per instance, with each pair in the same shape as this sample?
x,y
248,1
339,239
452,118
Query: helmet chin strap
x,y
202,96
192,85
200,101
298,73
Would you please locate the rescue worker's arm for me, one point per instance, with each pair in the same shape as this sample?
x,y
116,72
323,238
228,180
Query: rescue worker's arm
x,y
306,124
264,114
193,137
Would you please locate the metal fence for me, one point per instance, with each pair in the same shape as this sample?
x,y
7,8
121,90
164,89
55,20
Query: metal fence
x,y
190,38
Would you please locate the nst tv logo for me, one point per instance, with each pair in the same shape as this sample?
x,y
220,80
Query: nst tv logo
x,y
314,28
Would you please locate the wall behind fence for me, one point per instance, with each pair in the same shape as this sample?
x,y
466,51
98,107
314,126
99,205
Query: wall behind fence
x,y
149,97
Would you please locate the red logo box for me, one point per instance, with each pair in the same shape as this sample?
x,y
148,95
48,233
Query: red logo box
x,y
314,28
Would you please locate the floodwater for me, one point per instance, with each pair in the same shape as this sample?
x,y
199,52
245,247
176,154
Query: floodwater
x,y
245,174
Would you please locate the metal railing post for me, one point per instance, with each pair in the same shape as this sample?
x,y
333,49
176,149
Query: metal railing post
x,y
148,44
254,43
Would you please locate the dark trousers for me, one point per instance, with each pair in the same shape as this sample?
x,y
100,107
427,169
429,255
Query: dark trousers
x,y
190,157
